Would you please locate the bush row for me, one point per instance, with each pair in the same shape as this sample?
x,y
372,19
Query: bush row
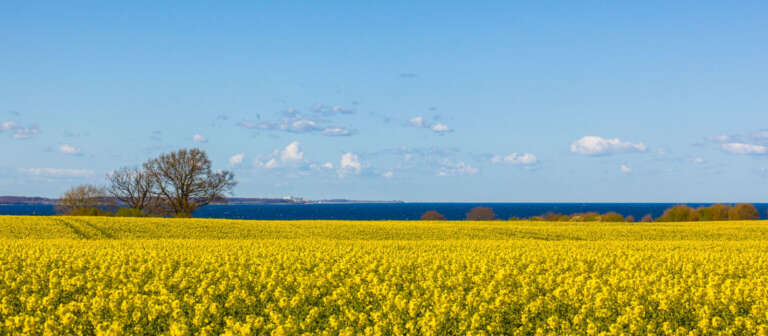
x,y
678,213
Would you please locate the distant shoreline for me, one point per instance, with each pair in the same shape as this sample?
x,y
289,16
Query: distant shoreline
x,y
17,200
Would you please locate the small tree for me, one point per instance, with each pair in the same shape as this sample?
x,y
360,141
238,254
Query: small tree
x,y
185,181
481,213
612,217
743,211
432,215
629,219
82,200
679,213
647,218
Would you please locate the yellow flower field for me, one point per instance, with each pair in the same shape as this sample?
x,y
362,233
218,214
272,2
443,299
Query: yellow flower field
x,y
89,275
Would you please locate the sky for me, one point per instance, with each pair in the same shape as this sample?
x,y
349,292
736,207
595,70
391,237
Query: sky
x,y
493,101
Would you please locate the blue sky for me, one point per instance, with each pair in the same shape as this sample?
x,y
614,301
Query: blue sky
x,y
428,101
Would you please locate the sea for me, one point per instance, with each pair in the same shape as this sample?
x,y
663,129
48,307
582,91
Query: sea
x,y
394,211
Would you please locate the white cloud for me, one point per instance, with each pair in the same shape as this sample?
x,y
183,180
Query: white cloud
x,y
625,169
438,128
295,122
336,131
8,125
744,148
19,132
417,122
594,146
328,165
56,172
350,163
456,169
698,160
25,133
199,138
515,159
292,153
236,159
388,174
272,163
67,149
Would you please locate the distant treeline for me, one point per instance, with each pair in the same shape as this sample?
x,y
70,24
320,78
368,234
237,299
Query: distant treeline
x,y
678,213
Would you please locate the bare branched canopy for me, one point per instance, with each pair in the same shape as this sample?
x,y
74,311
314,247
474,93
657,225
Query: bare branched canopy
x,y
133,187
185,181
81,197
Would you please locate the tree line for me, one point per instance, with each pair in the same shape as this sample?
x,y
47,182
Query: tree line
x,y
678,213
171,185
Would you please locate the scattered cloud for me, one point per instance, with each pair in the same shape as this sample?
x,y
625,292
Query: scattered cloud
x,y
199,138
450,168
408,75
292,153
388,174
69,150
525,159
597,146
744,148
236,159
332,110
420,122
57,172
17,131
698,160
328,165
625,169
296,122
349,163
336,131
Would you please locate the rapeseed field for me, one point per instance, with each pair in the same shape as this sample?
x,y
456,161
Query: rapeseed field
x,y
124,276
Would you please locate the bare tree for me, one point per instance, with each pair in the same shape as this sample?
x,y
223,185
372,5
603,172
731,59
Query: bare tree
x,y
184,180
80,198
133,187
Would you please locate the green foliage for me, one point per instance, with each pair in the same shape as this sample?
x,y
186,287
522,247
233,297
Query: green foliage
x,y
130,212
679,213
612,217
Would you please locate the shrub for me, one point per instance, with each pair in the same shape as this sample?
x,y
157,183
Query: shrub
x,y
679,213
743,211
432,215
714,212
585,217
514,218
720,211
130,212
647,218
552,217
481,213
629,218
612,217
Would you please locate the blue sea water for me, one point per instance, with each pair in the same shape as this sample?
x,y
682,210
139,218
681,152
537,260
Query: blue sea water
x,y
395,211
